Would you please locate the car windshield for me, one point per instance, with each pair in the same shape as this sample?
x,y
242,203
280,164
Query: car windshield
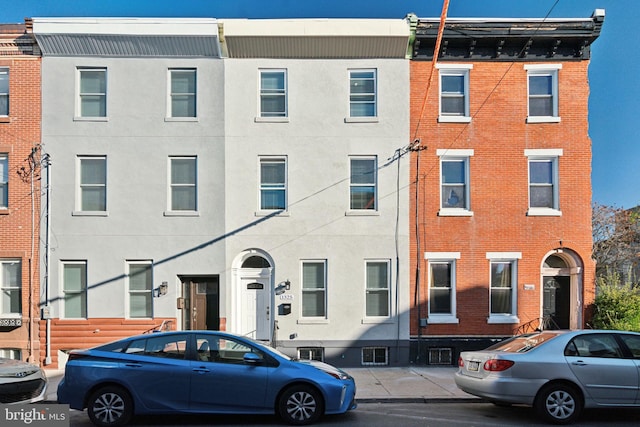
x,y
522,343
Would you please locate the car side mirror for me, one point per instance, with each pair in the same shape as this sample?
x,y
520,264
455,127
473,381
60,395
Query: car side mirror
x,y
252,359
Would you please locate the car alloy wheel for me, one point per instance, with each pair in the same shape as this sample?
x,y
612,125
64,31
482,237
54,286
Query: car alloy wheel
x,y
110,406
300,405
558,404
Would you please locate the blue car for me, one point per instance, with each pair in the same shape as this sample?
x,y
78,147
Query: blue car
x,y
206,372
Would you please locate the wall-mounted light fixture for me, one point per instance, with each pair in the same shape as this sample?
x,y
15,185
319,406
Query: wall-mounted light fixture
x,y
162,289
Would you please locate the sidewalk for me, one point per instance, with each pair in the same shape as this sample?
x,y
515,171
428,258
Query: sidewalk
x,y
376,384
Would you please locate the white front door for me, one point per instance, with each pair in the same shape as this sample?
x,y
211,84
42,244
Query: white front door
x,y
255,306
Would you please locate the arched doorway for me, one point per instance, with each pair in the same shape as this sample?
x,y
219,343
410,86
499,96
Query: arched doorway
x,y
562,290
253,284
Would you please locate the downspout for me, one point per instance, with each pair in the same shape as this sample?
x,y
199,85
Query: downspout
x,y
46,162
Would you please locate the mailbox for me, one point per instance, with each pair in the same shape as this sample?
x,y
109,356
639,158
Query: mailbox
x,y
284,309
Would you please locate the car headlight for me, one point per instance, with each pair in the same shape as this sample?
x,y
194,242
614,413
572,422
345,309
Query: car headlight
x,y
20,374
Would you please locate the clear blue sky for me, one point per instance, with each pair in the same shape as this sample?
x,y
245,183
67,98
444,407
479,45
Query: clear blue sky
x,y
613,73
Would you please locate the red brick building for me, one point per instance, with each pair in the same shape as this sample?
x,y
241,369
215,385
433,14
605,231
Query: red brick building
x,y
501,189
19,193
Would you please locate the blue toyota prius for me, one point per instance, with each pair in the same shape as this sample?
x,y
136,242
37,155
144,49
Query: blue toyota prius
x,y
200,372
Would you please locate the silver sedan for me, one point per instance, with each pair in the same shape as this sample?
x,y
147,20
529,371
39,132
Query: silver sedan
x,y
559,373
21,382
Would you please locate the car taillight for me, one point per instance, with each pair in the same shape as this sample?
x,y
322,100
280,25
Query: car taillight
x,y
497,365
460,362
75,356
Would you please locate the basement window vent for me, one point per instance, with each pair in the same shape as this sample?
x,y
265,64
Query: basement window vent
x,y
440,356
375,356
311,353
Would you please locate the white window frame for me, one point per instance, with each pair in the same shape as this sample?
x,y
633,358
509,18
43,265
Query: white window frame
x,y
368,290
171,186
80,186
4,181
4,71
456,156
545,155
270,116
353,186
363,118
551,70
130,292
193,96
80,94
449,258
510,258
7,287
459,70
322,318
82,292
263,187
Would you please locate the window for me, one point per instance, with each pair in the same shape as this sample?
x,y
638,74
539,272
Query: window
x,y
314,287
362,93
4,181
183,186
377,288
273,93
374,356
92,92
211,348
182,93
140,279
168,346
311,353
74,287
543,92
442,286
4,91
273,183
363,183
11,353
454,93
503,287
454,178
10,287
543,181
92,195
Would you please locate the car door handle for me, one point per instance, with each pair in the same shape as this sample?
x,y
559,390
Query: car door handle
x,y
202,370
133,365
579,363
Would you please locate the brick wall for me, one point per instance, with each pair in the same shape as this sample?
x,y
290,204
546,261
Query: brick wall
x,y
498,134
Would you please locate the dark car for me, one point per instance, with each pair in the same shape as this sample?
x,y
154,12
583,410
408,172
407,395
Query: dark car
x,y
200,372
557,372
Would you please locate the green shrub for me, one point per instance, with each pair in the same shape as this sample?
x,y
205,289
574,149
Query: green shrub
x,y
617,305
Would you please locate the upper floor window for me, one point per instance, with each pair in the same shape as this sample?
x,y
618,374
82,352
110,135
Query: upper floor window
x,y
183,186
74,287
140,286
273,183
314,289
10,287
362,93
92,92
92,191
4,181
4,91
182,93
455,183
362,189
454,92
442,286
273,93
543,92
503,307
377,288
543,181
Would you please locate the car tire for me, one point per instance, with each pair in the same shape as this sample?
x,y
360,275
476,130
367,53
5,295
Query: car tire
x,y
300,405
558,404
110,406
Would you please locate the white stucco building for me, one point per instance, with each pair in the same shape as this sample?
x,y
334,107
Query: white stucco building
x,y
245,175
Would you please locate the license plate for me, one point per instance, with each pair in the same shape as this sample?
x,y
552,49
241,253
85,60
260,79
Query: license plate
x,y
473,366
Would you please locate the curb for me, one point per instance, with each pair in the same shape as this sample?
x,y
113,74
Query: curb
x,y
420,400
